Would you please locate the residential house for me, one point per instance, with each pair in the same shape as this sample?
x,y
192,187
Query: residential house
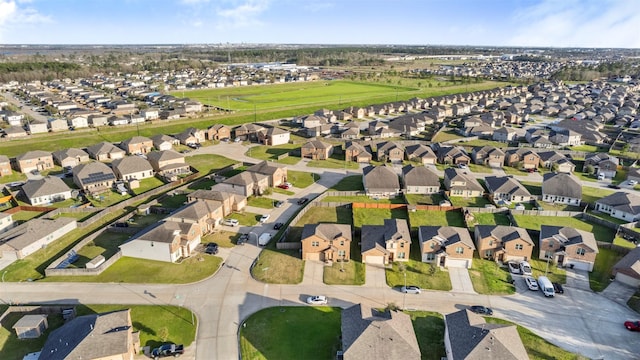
x,y
132,168
5,166
561,188
137,145
316,150
55,125
390,151
384,244
420,180
633,173
350,132
380,182
164,142
505,134
105,151
620,205
230,201
556,161
367,333
567,246
504,190
627,270
33,235
97,120
602,163
37,160
166,241
248,132
503,243
206,213
37,127
522,158
168,164
6,221
326,242
277,173
150,113
191,136
453,155
13,132
77,122
71,157
421,153
460,183
273,136
565,137
45,191
356,152
246,183
489,156
96,336
468,337
446,246
218,132
93,177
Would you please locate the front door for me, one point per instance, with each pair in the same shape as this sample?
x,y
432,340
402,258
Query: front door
x,y
560,259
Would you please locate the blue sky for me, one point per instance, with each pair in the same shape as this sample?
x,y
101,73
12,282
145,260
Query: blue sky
x,y
558,23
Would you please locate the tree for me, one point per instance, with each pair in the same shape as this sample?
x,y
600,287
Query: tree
x,y
589,169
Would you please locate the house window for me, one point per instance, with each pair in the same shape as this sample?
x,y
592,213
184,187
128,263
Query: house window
x,y
315,243
401,255
459,250
548,254
341,242
430,257
580,251
433,245
342,253
519,246
490,242
488,253
402,245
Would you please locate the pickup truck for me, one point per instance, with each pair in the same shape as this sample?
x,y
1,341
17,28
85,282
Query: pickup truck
x,y
167,350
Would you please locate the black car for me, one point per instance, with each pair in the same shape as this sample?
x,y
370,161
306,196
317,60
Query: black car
x,y
557,287
279,203
211,248
613,186
277,226
482,310
302,201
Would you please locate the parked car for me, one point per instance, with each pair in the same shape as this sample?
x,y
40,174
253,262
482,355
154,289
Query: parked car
x,y
557,287
264,218
277,226
167,350
532,284
231,222
211,248
121,224
463,166
514,267
237,140
479,309
525,268
317,300
632,325
242,239
410,289
279,203
284,186
613,186
633,182
302,201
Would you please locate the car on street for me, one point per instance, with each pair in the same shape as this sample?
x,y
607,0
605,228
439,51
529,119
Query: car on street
x,y
279,204
482,310
525,268
211,248
532,284
557,287
613,186
264,218
632,325
277,226
317,300
410,289
514,267
633,182
231,222
302,201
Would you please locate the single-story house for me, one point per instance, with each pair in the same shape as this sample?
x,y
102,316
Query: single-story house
x,y
620,205
420,180
627,270
105,151
561,188
380,182
45,191
132,168
31,236
164,241
71,157
93,177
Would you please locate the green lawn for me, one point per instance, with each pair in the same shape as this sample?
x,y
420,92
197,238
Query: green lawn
x,y
363,199
245,218
539,267
334,162
533,187
424,275
138,271
25,215
106,244
291,333
301,179
532,222
79,216
349,183
282,191
172,202
208,163
480,201
423,199
278,266
490,279
538,348
107,199
14,348
623,242
446,135
376,216
261,202
223,238
600,277
264,152
148,184
344,273
436,218
480,169
15,176
512,171
489,219
591,194
429,328
589,148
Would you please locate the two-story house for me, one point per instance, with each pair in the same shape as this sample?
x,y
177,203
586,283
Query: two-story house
x,y
446,246
137,145
460,183
503,243
390,151
316,150
71,157
105,151
488,155
218,132
36,160
522,158
567,246
326,242
384,244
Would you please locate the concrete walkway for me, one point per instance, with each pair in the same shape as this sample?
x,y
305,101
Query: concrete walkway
x,y
618,292
460,280
578,279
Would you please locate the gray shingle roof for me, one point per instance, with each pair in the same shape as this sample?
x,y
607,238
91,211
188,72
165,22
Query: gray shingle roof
x,y
165,155
131,164
93,172
103,148
69,153
380,177
448,235
419,176
266,168
505,185
503,233
30,155
630,264
456,175
49,185
33,230
569,236
561,185
624,202
327,231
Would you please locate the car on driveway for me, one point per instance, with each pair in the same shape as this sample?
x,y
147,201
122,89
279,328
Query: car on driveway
x,y
557,287
279,204
633,182
525,268
277,226
317,300
632,325
532,284
231,222
264,218
410,289
211,248
302,201
482,310
284,186
514,267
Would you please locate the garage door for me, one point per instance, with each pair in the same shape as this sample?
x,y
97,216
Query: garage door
x,y
495,164
626,279
313,256
457,263
375,260
580,265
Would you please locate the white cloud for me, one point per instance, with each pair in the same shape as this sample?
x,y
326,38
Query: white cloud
x,y
242,14
318,6
7,11
578,23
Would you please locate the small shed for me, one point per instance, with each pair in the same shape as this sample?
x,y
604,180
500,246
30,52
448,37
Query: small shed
x,y
31,326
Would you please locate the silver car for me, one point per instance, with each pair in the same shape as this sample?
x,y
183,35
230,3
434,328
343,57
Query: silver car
x,y
410,289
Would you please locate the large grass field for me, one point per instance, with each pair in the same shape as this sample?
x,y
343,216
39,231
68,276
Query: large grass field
x,y
600,232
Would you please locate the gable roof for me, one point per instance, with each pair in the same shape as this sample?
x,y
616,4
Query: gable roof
x,y
630,264
31,231
419,176
471,338
561,184
505,185
159,156
266,168
135,140
93,172
245,178
624,202
103,148
569,236
380,177
454,174
31,155
327,231
69,153
196,210
503,233
447,235
131,164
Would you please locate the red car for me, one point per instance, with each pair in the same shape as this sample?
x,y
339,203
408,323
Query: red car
x,y
632,325
284,186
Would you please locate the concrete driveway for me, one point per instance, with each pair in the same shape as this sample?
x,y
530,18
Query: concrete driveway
x,y
460,280
578,279
618,292
375,277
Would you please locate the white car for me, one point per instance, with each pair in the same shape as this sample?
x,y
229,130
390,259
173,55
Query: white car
x,y
532,284
514,267
317,300
633,182
410,289
264,218
463,166
525,268
231,222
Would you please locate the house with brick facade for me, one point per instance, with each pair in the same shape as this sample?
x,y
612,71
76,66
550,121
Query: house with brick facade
x,y
567,246
326,242
446,246
503,243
